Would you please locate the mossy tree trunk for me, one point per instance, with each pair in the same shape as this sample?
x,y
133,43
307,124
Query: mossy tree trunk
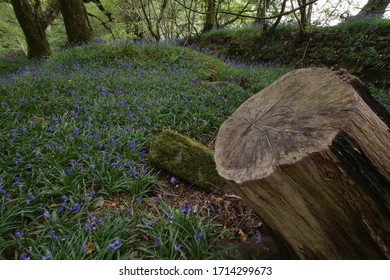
x,y
311,155
210,22
262,8
34,21
77,24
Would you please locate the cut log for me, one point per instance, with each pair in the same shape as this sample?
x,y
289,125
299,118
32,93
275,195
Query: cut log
x,y
311,155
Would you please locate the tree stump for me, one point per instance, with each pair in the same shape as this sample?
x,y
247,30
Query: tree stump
x,y
311,155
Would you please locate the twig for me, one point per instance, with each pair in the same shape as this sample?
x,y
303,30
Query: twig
x,y
245,16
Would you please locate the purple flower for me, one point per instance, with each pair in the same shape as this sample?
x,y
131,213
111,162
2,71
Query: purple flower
x,y
148,223
129,213
187,210
198,238
48,256
144,171
52,128
138,200
76,207
114,246
19,235
17,183
85,197
133,172
53,236
173,180
85,248
170,216
64,199
31,197
158,199
47,215
157,241
258,238
24,256
113,140
142,154
92,223
76,132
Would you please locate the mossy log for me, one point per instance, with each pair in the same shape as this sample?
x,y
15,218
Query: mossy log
x,y
311,155
184,158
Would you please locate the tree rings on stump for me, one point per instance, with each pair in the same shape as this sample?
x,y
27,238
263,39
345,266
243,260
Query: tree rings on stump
x,y
311,155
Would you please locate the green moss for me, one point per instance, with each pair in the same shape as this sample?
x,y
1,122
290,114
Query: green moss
x,y
362,45
184,158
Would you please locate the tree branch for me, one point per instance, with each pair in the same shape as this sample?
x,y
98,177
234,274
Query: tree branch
x,y
247,16
101,8
272,29
236,17
51,12
103,23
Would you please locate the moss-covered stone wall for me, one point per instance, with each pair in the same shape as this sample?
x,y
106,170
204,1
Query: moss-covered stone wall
x,y
362,47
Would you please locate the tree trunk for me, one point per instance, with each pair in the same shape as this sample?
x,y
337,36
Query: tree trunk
x,y
271,30
33,28
374,8
210,23
312,158
77,25
262,7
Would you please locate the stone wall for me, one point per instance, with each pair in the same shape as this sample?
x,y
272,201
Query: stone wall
x,y
362,49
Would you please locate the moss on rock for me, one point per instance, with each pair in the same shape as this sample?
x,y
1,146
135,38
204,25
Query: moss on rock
x,y
184,158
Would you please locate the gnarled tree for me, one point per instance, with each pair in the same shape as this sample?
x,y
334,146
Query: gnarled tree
x,y
34,19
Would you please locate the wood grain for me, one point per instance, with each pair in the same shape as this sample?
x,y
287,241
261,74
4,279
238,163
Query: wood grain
x,y
312,158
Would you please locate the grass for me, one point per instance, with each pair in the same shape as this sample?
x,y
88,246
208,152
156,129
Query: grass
x,y
382,94
75,181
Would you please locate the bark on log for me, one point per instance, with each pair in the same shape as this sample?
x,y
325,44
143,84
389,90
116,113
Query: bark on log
x,y
311,155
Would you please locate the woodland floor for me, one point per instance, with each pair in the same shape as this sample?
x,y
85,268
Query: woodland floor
x,y
252,237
